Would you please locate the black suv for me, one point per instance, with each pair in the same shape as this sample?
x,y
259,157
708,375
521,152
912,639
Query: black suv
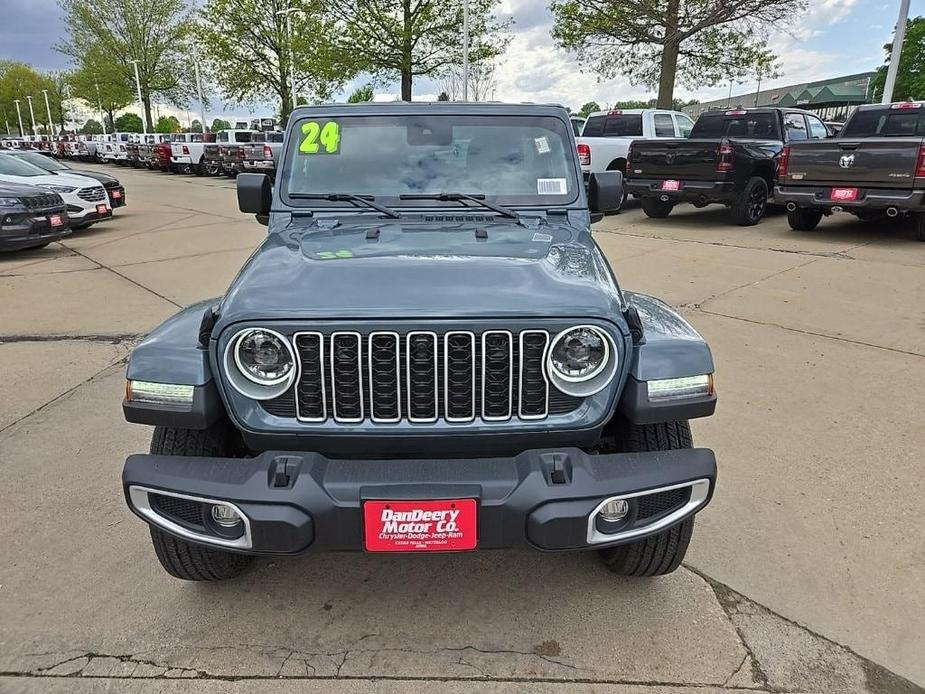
x,y
30,217
427,353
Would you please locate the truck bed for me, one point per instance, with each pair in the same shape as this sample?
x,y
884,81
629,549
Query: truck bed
x,y
873,162
685,159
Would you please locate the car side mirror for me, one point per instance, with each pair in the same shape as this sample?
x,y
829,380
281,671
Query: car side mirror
x,y
605,193
255,195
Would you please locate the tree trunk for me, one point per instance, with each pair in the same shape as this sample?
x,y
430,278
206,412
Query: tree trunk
x,y
670,48
406,53
149,124
285,93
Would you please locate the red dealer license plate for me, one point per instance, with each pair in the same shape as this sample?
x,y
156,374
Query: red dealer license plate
x,y
671,185
102,210
421,526
116,194
55,220
844,194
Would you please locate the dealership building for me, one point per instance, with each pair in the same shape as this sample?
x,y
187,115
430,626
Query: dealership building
x,y
832,99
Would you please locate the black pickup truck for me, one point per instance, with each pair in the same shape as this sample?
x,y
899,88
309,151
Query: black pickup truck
x,y
730,158
875,167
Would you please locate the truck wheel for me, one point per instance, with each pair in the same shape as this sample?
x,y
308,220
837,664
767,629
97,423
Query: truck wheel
x,y
656,209
750,206
179,558
662,553
920,227
804,218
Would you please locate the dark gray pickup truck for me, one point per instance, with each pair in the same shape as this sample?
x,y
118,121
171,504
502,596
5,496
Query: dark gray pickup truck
x,y
427,353
875,167
730,158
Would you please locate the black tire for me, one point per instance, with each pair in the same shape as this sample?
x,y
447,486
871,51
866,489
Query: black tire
x,y
181,559
920,227
804,218
750,206
656,209
659,554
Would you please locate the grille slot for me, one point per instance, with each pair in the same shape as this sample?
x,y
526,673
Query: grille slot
x,y
534,388
421,376
96,194
346,378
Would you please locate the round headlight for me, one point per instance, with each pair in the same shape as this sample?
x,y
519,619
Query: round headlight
x,y
263,356
579,354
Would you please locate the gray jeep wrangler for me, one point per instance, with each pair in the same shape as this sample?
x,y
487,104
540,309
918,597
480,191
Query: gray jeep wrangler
x,y
427,353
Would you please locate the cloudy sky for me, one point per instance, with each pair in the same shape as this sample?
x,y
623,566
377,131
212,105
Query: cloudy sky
x,y
836,37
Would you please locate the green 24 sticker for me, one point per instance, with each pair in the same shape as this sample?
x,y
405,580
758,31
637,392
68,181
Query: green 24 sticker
x,y
320,138
333,255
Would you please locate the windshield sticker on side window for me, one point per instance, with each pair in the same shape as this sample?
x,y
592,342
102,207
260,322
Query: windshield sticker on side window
x,y
551,186
320,138
542,145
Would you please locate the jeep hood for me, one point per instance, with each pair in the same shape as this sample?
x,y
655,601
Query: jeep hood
x,y
423,271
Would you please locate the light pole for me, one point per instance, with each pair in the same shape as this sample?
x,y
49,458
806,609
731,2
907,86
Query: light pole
x,y
99,105
465,84
48,111
898,36
141,105
202,107
288,14
22,131
31,112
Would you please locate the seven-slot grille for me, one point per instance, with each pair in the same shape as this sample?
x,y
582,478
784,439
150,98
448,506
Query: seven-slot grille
x,y
421,376
95,194
34,202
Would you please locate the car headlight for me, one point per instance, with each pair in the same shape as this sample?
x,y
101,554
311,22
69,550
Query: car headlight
x,y
60,189
260,363
9,202
582,360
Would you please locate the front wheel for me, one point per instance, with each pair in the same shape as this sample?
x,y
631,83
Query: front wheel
x,y
804,218
750,206
181,559
662,553
656,209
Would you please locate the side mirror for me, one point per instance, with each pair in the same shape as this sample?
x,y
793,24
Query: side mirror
x,y
605,193
255,194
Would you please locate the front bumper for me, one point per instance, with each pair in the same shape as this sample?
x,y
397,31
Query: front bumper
x,y
544,499
690,191
868,198
26,232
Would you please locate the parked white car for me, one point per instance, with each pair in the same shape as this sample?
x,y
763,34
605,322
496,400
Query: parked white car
x,y
86,199
606,136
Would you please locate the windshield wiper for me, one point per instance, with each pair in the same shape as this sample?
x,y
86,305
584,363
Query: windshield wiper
x,y
348,197
459,197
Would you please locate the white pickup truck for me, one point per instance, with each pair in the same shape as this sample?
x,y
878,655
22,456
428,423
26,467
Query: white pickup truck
x,y
186,156
606,136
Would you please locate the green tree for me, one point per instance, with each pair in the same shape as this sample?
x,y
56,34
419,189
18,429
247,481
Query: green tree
x,y
167,124
129,123
910,78
219,124
155,33
195,126
247,51
18,80
655,42
443,96
92,127
102,82
361,94
414,38
588,108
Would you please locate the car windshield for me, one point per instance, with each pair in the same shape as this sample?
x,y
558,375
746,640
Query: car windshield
x,y
43,162
525,160
14,166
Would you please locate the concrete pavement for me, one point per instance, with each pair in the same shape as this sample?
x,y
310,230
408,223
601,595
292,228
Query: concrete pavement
x,y
804,574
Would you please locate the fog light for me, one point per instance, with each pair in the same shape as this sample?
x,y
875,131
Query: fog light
x,y
614,511
225,516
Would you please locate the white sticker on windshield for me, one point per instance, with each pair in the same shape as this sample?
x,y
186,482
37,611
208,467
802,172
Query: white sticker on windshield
x,y
551,186
542,145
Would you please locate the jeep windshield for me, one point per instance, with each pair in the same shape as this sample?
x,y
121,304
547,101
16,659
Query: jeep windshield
x,y
413,160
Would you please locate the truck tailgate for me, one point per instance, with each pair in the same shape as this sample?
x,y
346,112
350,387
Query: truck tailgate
x,y
874,161
675,159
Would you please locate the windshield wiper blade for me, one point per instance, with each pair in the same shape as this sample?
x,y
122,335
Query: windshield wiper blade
x,y
348,197
459,197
